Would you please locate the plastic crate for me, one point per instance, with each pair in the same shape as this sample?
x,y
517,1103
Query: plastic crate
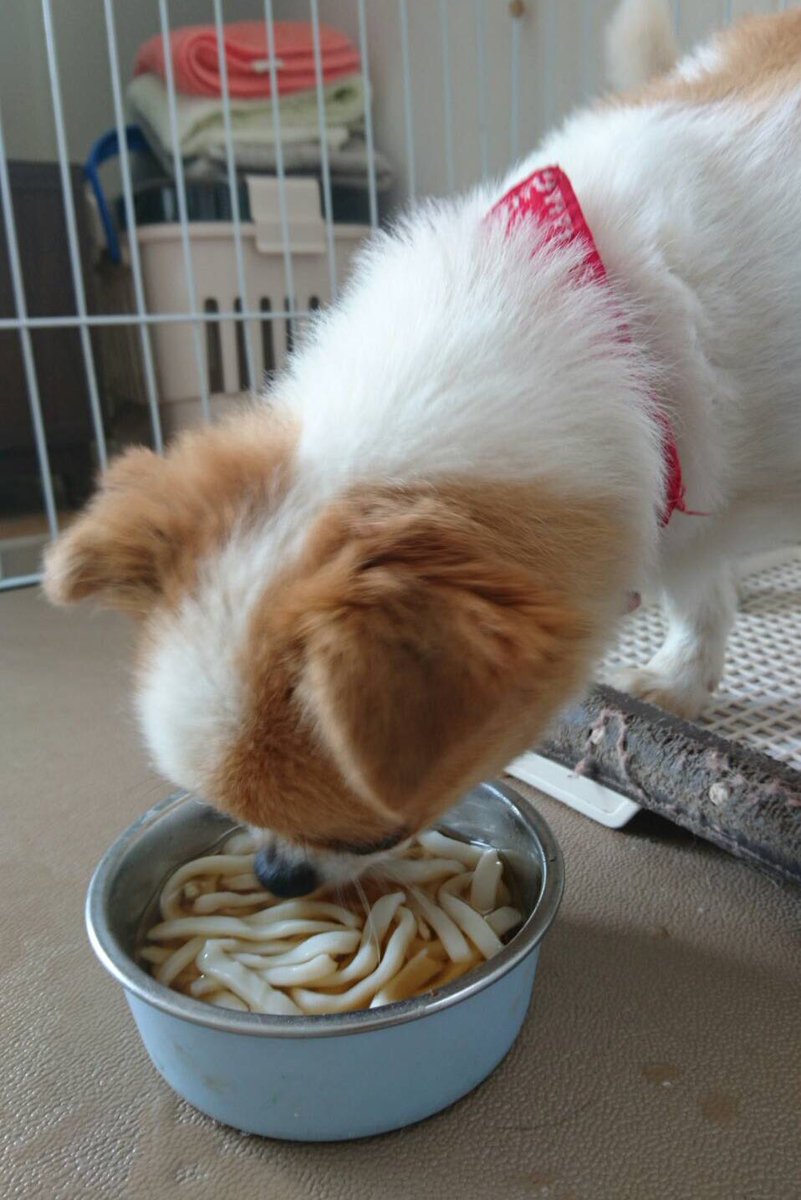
x,y
224,355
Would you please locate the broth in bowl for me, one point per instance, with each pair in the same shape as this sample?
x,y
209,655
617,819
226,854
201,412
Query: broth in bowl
x,y
411,926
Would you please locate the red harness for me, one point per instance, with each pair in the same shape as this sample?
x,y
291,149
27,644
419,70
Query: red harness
x,y
547,197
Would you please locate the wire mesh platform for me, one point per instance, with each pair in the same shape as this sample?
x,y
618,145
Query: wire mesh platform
x,y
759,700
735,776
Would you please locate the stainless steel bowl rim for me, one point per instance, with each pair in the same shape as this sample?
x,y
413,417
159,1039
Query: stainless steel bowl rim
x,y
137,981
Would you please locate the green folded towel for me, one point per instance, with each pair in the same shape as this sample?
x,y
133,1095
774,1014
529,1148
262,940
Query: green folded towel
x,y
201,128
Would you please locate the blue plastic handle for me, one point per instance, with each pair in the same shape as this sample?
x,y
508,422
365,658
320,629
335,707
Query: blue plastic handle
x,y
106,147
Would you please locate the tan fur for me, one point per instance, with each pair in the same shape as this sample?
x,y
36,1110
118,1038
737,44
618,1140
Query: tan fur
x,y
761,59
154,519
424,639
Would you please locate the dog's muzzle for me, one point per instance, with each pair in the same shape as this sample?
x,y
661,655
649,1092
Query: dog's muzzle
x,y
283,875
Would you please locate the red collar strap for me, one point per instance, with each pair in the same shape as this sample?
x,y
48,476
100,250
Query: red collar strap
x,y
547,197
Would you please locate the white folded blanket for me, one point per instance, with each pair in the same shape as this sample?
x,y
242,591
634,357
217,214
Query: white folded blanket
x,y
200,122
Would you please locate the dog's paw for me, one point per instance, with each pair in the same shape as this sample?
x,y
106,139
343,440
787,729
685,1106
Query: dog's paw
x,y
686,698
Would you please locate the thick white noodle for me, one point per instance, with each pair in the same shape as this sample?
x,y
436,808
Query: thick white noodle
x,y
417,972
423,928
312,956
168,970
297,974
446,847
217,927
503,920
209,864
247,882
448,933
250,987
471,923
212,902
319,943
228,1000
305,909
363,991
422,870
484,885
154,954
204,985
375,928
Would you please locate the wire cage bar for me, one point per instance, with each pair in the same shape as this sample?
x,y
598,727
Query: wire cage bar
x,y
434,145
133,244
183,216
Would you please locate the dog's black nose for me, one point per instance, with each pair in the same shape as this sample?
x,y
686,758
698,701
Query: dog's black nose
x,y
283,877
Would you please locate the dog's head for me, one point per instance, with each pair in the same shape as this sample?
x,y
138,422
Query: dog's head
x,y
362,601
336,673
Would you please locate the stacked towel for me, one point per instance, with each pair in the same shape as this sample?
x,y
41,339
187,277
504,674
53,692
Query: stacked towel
x,y
201,127
200,116
196,64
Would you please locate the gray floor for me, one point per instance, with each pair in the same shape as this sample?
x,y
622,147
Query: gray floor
x,y
661,1057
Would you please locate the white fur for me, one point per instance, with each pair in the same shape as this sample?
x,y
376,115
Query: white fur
x,y
440,360
640,43
458,350
190,697
703,61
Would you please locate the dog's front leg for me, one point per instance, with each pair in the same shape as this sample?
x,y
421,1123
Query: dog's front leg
x,y
700,600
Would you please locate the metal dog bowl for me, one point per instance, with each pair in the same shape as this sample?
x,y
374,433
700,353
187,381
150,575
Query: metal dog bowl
x,y
325,1078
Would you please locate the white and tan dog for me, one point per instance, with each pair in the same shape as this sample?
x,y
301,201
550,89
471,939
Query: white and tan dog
x,y
379,586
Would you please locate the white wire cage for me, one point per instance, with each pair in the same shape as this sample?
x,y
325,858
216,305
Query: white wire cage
x,y
454,90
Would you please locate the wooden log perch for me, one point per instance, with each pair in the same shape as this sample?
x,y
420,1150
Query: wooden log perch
x,y
736,797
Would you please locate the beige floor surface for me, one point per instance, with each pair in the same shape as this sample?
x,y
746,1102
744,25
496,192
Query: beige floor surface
x,y
661,1058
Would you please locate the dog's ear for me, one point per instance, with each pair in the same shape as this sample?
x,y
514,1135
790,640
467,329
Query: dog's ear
x,y
116,550
153,518
423,657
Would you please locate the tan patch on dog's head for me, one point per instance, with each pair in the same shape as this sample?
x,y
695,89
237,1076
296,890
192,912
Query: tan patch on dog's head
x,y
426,637
153,519
422,638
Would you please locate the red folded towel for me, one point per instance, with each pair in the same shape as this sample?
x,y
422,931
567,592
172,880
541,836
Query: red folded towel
x,y
196,63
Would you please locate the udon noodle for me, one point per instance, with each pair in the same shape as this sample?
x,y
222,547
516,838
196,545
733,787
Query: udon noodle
x,y
431,915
